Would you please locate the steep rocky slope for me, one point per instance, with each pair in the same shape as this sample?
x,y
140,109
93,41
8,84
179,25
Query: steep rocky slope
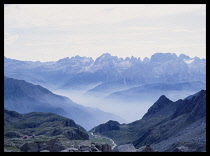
x,y
37,123
166,126
47,132
25,97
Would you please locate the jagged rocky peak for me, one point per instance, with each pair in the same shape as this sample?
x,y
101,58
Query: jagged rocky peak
x,y
66,59
163,57
194,105
105,55
162,102
77,57
127,59
184,57
139,59
135,59
197,60
146,60
201,93
75,60
159,105
163,98
106,58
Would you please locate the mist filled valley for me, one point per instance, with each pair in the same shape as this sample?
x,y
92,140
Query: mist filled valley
x,y
118,100
126,87
129,110
105,78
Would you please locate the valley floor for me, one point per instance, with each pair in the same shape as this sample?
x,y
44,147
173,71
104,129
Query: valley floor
x,y
102,139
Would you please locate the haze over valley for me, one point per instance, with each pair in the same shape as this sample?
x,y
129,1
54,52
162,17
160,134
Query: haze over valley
x,y
125,87
105,78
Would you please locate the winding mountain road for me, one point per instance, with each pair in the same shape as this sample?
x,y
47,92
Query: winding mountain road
x,y
103,137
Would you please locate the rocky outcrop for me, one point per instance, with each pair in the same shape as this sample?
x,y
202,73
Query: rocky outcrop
x,y
194,106
126,148
108,126
166,123
39,123
163,106
131,148
76,134
146,148
103,147
184,149
45,151
55,145
6,150
29,147
12,134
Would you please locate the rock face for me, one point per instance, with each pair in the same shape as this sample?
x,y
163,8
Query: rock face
x,y
146,148
108,126
12,134
166,124
53,145
48,124
159,107
162,67
184,149
131,148
29,147
194,106
126,148
103,147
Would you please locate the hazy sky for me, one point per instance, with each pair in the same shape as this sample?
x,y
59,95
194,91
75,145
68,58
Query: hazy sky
x,y
49,32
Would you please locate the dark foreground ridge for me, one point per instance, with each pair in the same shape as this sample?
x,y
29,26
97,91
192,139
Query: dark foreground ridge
x,y
167,127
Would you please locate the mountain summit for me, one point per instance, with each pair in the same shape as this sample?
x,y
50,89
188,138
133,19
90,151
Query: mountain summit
x,y
166,126
161,107
77,71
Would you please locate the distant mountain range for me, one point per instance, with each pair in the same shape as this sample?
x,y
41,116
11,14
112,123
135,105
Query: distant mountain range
x,y
126,87
25,97
150,92
165,126
79,72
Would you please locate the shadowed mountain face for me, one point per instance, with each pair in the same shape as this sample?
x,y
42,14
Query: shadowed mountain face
x,y
166,125
25,97
78,72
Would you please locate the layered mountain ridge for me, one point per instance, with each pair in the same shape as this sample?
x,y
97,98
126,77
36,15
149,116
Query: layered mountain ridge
x,y
125,86
154,90
77,71
166,125
25,97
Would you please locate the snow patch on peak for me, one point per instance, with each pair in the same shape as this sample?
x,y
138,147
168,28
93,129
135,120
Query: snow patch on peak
x,y
188,61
